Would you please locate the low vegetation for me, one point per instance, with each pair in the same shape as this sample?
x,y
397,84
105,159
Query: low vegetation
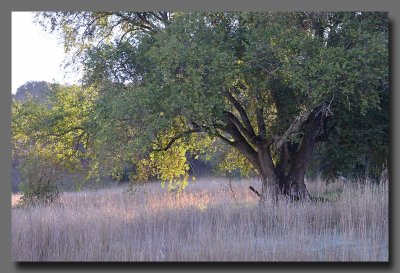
x,y
211,220
278,95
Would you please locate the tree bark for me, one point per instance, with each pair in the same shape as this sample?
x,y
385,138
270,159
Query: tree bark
x,y
292,183
269,179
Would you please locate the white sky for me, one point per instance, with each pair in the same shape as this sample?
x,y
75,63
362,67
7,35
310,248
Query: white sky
x,y
36,55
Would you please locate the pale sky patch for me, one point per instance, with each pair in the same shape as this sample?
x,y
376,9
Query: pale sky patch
x,y
36,55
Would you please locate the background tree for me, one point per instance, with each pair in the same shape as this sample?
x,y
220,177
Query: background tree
x,y
32,90
35,90
51,137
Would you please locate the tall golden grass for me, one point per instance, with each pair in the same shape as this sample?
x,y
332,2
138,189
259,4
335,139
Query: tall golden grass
x,y
209,221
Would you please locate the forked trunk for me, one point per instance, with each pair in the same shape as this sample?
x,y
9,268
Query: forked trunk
x,y
287,178
295,159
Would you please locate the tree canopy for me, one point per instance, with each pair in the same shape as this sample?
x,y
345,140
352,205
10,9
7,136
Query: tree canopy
x,y
275,91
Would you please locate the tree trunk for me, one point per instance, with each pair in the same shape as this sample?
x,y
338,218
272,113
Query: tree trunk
x,y
269,180
294,159
287,177
288,150
299,157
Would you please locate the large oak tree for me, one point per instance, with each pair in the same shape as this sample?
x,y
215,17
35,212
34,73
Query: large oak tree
x,y
271,86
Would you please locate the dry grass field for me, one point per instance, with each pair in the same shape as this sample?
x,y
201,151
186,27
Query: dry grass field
x,y
208,221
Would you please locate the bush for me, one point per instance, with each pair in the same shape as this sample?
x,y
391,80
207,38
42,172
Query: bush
x,y
39,178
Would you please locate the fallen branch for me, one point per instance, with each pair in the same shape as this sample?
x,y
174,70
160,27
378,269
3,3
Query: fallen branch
x,y
255,191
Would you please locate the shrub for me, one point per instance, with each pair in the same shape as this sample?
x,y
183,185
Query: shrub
x,y
39,178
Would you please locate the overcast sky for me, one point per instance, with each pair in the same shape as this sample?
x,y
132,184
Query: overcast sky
x,y
36,54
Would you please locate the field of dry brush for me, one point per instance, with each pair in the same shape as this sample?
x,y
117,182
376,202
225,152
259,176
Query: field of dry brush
x,y
208,221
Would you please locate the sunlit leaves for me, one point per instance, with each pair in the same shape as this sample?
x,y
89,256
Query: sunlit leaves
x,y
170,76
232,160
58,128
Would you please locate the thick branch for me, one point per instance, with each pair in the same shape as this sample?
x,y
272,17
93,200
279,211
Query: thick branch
x,y
242,112
261,124
294,127
67,131
175,138
302,157
105,36
239,141
90,24
215,132
242,144
229,142
249,136
137,23
144,17
162,15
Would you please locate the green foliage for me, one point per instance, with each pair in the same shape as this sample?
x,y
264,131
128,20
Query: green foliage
x,y
358,145
149,86
57,128
233,161
39,177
